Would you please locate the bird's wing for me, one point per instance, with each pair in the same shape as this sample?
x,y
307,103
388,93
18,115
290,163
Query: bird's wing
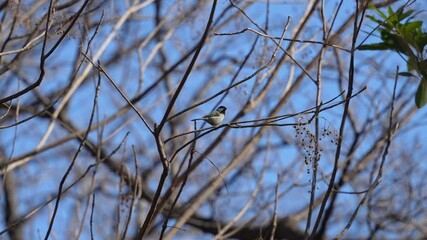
x,y
212,114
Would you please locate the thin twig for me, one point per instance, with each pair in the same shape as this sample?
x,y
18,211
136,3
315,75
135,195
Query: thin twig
x,y
342,125
189,68
157,130
36,209
268,121
276,202
377,180
187,173
121,93
277,43
316,159
284,39
70,167
256,72
43,56
134,195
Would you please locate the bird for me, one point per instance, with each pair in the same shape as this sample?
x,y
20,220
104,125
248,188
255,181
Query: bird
x,y
214,118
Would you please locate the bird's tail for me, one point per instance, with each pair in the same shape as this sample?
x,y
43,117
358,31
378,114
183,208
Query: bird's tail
x,y
196,119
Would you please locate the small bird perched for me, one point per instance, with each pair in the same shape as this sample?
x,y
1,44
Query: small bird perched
x,y
214,118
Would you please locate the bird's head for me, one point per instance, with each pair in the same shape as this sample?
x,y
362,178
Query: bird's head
x,y
221,109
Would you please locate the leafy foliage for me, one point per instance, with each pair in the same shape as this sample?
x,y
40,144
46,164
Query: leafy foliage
x,y
399,33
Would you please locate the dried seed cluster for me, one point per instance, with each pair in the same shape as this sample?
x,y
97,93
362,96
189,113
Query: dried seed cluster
x,y
307,140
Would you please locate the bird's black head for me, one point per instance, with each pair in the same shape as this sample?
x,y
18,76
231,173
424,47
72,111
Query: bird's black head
x,y
221,109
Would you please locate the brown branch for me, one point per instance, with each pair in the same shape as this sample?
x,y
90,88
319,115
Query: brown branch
x,y
356,29
284,39
70,167
189,69
269,121
276,202
65,190
134,195
377,180
101,69
190,161
43,56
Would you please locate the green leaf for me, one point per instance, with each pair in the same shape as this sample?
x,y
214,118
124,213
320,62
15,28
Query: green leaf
x,y
390,11
372,6
412,64
376,46
420,41
395,42
404,15
404,47
392,19
412,26
373,19
421,95
422,68
406,74
410,30
423,65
